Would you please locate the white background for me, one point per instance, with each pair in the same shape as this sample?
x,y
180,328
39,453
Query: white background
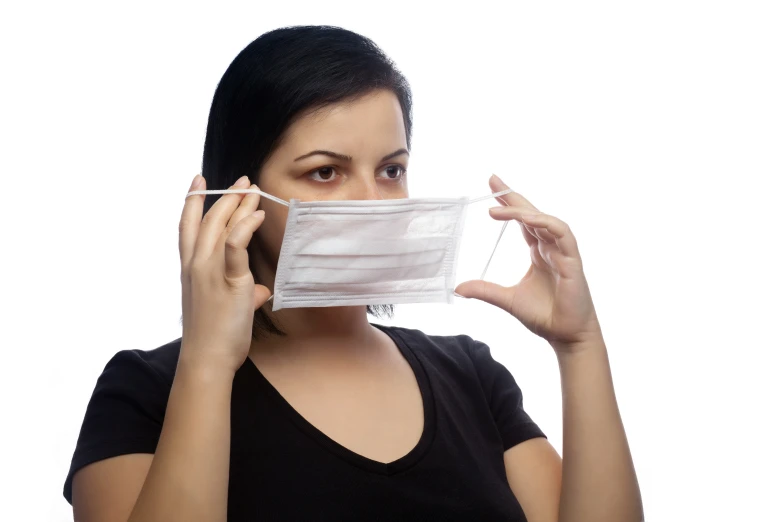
x,y
654,129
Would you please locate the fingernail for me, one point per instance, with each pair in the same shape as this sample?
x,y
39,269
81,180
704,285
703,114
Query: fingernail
x,y
194,183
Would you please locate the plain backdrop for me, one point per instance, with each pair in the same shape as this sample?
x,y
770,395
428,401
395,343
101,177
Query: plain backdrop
x,y
654,129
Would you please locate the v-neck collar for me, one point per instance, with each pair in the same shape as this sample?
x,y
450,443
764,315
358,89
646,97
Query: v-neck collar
x,y
384,468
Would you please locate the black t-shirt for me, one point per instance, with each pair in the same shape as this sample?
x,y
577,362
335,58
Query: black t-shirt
x,y
283,468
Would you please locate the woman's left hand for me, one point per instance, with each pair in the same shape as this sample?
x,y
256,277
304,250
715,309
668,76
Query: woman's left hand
x,y
552,300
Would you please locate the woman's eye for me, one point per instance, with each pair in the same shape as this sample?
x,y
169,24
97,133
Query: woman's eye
x,y
323,175
393,172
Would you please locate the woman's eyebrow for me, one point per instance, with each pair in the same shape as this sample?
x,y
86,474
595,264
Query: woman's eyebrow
x,y
345,157
395,153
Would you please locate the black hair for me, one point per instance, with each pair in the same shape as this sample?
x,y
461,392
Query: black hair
x,y
277,77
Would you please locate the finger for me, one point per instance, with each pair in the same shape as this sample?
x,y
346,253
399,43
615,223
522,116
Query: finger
x,y
248,205
261,296
190,222
542,234
530,238
237,264
492,293
216,219
559,230
532,234
515,199
512,199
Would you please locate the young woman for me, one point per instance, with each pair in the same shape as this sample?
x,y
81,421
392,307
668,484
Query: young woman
x,y
316,413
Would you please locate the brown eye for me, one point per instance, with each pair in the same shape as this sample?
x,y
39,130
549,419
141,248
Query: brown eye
x,y
323,175
394,172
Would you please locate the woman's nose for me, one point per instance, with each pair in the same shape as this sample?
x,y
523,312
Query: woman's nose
x,y
366,188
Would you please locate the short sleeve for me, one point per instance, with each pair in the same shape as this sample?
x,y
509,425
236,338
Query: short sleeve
x,y
124,415
504,398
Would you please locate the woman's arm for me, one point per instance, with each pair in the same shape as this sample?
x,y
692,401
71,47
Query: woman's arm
x,y
187,479
188,476
599,482
534,471
596,480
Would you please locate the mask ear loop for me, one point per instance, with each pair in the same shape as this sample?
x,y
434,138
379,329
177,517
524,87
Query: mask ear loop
x,y
239,191
502,229
242,191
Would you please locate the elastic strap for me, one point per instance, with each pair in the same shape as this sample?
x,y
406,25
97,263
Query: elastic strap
x,y
502,229
240,191
495,195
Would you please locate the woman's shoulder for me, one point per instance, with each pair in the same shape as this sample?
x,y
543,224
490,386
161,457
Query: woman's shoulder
x,y
461,363
461,353
126,410
461,350
157,364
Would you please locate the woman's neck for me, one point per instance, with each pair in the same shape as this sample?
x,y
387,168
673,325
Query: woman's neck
x,y
343,329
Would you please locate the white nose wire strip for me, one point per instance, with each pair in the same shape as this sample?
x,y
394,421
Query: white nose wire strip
x,y
283,202
239,191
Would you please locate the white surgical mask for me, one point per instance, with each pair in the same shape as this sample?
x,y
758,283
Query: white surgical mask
x,y
365,252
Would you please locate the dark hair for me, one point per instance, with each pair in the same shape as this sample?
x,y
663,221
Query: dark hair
x,y
277,77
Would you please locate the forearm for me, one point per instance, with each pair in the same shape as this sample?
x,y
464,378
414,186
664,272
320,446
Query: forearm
x,y
188,478
599,482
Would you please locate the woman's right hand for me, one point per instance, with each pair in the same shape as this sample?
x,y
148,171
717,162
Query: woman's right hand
x,y
219,294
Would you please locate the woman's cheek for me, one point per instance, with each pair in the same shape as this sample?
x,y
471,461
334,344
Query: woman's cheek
x,y
272,230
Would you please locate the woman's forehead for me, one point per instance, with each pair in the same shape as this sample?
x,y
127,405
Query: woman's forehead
x,y
373,118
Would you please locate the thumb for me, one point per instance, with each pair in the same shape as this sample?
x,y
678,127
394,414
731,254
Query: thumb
x,y
261,296
491,293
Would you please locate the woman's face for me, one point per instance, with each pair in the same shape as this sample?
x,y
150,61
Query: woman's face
x,y
350,150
